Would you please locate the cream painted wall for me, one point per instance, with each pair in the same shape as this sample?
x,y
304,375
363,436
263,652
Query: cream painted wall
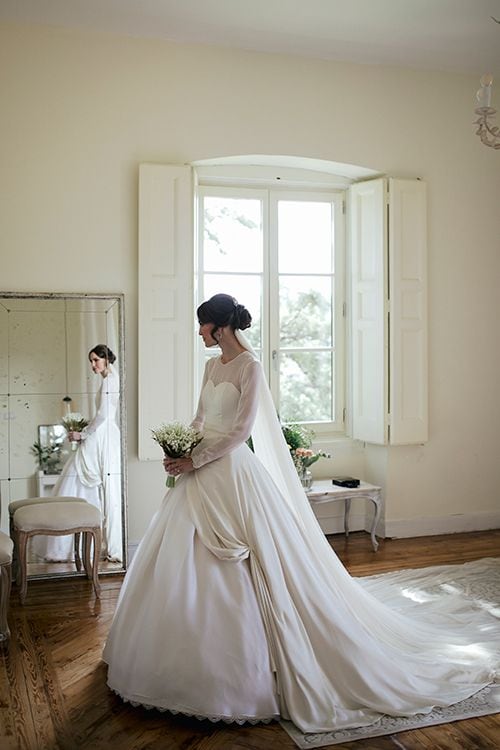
x,y
81,110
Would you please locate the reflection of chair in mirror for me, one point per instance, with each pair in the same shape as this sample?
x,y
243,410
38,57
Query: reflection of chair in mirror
x,y
56,519
6,545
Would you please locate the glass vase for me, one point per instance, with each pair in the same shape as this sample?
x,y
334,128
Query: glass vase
x,y
306,479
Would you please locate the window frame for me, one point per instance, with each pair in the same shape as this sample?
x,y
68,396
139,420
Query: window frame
x,y
270,194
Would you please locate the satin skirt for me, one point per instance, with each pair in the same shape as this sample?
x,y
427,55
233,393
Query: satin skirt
x,y
188,635
229,612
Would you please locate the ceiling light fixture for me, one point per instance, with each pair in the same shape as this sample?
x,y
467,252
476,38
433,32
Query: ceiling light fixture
x,y
488,133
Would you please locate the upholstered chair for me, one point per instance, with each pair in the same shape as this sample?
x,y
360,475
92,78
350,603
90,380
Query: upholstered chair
x,y
64,517
16,504
6,550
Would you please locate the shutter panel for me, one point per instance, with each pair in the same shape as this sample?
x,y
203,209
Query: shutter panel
x,y
165,300
368,231
408,311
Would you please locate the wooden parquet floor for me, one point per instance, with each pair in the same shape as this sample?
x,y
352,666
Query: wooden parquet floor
x,y
53,693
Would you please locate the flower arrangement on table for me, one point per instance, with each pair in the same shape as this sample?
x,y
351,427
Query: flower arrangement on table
x,y
74,422
48,456
177,441
299,440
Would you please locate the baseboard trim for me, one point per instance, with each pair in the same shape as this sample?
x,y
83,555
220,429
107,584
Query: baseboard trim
x,y
335,524
414,527
455,524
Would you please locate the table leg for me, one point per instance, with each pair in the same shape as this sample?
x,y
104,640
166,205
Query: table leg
x,y
376,516
347,510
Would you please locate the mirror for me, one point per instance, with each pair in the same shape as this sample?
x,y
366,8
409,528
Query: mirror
x,y
46,375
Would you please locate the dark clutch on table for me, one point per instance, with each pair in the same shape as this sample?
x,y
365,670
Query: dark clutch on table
x,y
345,481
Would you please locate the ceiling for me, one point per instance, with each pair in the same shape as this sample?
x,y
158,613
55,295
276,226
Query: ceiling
x,y
448,35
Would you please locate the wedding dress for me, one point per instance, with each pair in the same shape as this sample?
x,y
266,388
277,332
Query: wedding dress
x,y
236,608
93,473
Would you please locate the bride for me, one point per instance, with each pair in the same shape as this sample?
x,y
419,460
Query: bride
x,y
93,471
236,608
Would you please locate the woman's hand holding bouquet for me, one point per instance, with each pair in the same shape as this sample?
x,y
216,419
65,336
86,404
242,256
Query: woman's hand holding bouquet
x,y
177,441
74,423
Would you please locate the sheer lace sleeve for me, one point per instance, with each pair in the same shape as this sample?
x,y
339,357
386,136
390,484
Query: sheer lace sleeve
x,y
199,417
108,402
251,375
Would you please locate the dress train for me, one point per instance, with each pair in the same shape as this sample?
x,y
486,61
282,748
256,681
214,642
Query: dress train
x,y
235,606
225,614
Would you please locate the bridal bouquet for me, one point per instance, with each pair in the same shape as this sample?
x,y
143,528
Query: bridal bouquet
x,y
177,441
74,422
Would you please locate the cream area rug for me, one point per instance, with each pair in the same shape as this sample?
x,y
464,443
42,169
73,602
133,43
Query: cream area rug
x,y
477,582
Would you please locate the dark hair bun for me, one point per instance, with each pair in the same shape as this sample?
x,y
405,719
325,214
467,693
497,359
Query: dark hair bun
x,y
223,310
111,356
242,318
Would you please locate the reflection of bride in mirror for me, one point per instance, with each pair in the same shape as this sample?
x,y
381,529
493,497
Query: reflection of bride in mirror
x,y
93,470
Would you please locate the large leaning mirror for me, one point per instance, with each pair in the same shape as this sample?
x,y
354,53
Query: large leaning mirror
x,y
47,380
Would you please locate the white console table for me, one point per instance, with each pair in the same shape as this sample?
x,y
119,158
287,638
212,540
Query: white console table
x,y
324,491
46,483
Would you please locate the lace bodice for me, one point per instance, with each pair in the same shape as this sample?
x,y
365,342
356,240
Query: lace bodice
x,y
227,406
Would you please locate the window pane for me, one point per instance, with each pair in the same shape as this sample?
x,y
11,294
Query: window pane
x,y
274,251
248,292
306,387
305,237
305,311
232,234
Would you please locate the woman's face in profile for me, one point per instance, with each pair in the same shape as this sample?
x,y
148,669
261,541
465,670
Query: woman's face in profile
x,y
98,364
205,331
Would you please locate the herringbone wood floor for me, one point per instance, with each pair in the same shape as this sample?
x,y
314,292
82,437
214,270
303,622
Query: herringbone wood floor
x,y
53,693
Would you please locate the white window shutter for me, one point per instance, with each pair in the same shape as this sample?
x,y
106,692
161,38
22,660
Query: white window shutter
x,y
408,311
368,267
165,300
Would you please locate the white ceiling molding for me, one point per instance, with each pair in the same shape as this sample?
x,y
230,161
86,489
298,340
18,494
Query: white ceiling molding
x,y
448,35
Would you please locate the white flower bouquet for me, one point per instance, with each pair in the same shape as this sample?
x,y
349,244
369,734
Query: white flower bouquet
x,y
74,422
177,441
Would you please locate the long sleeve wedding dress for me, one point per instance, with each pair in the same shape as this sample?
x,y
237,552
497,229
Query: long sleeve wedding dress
x,y
93,472
236,608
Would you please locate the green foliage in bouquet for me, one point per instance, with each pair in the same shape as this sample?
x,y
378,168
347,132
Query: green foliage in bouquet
x,y
74,422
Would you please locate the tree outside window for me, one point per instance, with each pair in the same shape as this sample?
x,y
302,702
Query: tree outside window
x,y
277,252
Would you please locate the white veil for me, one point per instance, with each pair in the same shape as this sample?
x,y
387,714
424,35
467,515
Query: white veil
x,y
271,449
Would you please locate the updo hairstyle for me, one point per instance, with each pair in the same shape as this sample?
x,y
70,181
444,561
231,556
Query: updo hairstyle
x,y
223,310
103,352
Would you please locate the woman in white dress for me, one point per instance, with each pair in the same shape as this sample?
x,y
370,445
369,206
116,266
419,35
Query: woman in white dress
x,y
236,608
93,471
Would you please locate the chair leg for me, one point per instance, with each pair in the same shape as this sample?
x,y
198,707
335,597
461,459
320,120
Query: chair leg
x,y
22,541
86,546
78,559
5,587
96,536
12,534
